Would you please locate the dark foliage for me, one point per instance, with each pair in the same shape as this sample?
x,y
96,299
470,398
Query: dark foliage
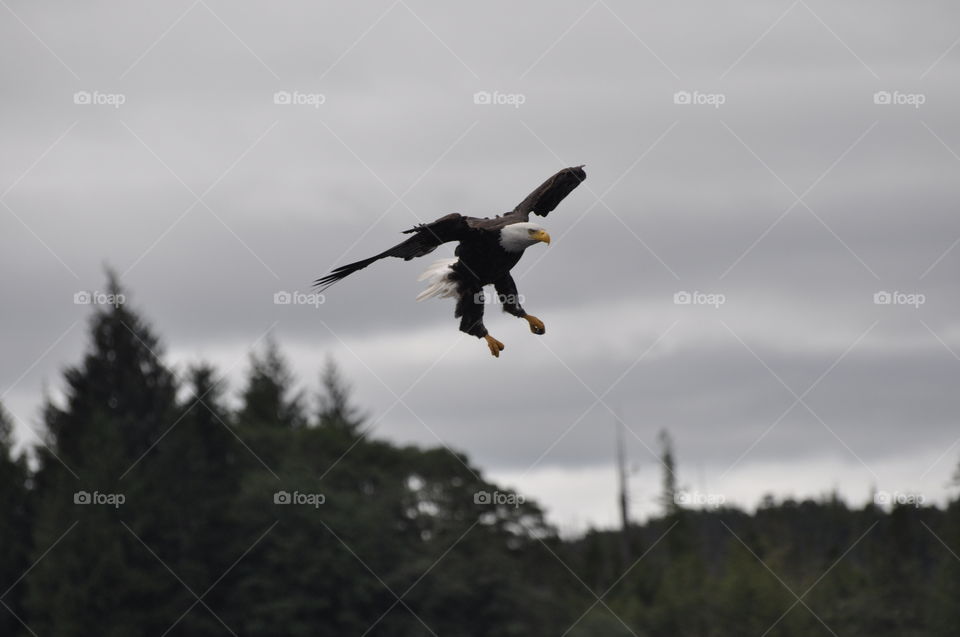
x,y
155,509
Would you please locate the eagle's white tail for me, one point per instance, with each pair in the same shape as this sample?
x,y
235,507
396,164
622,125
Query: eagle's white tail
x,y
441,283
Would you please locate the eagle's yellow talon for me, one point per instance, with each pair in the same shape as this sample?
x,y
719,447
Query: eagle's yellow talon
x,y
536,325
495,346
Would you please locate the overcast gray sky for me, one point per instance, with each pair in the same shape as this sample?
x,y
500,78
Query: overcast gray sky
x,y
786,161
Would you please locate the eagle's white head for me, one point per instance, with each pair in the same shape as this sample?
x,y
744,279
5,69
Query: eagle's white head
x,y
517,237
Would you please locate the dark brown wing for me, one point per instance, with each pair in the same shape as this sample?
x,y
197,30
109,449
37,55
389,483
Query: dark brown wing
x,y
456,227
550,193
426,237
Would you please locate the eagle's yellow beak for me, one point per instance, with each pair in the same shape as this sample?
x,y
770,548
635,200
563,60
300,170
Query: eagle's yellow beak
x,y
541,235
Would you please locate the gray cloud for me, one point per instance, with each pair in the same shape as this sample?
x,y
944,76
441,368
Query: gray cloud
x,y
694,198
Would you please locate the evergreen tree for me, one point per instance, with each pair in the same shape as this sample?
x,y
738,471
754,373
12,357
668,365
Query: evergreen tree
x,y
97,577
14,531
944,588
269,398
121,377
204,506
336,411
190,481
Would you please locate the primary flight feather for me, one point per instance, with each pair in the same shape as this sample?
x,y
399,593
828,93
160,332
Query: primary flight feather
x,y
487,250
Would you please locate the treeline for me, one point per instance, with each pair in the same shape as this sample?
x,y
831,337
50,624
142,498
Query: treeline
x,y
154,508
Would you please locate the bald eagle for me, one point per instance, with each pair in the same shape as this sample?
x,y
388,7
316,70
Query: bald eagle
x,y
487,250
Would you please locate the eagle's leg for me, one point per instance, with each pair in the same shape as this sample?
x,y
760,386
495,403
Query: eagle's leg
x,y
510,299
536,325
470,310
495,346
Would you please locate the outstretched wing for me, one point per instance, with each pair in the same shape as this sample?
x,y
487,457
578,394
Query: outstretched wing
x,y
550,193
426,237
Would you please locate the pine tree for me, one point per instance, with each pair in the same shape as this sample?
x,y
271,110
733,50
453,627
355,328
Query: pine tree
x,y
190,481
14,531
121,377
97,577
269,398
336,411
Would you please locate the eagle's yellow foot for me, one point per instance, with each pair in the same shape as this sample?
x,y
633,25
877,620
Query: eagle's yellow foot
x,y
495,346
536,325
